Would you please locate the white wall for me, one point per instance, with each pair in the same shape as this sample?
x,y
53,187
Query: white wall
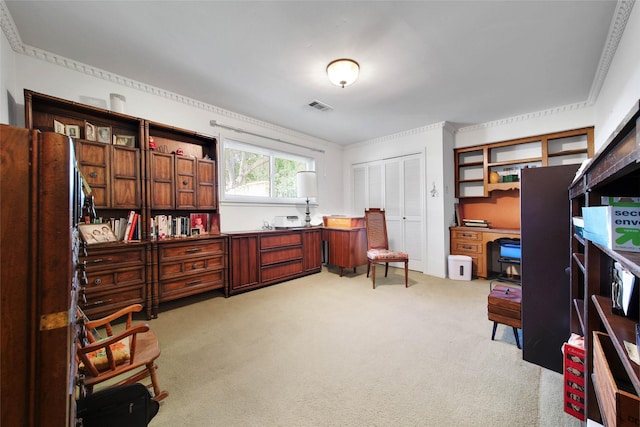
x,y
621,88
7,80
164,107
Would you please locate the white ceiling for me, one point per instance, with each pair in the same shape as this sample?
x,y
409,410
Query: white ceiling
x,y
422,62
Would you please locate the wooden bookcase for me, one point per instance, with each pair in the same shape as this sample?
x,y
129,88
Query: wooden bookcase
x,y
133,164
474,165
614,171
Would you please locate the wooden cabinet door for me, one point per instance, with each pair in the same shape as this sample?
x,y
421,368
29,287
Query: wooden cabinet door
x,y
243,262
162,173
125,180
206,180
185,182
312,249
93,159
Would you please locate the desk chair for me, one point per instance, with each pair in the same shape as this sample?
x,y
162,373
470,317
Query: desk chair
x,y
378,251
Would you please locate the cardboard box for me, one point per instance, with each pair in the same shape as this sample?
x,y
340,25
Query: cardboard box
x,y
616,227
619,404
343,221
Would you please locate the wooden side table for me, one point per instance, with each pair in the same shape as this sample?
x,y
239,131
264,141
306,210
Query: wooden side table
x,y
504,306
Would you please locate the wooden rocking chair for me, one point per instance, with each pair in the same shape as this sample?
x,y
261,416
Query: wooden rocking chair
x,y
378,251
130,354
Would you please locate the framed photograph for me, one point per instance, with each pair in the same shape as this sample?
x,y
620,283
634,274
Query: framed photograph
x,y
104,134
126,140
96,233
89,131
199,223
58,127
73,131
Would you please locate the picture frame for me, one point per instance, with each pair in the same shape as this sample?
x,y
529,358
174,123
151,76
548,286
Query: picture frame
x,y
125,140
90,132
96,233
199,223
58,127
104,134
72,130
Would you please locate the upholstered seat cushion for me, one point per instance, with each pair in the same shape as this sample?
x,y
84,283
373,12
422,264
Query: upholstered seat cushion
x,y
121,353
377,254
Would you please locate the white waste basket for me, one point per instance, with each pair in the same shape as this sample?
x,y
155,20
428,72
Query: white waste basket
x,y
459,267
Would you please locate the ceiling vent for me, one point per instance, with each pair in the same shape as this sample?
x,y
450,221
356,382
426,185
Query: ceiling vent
x,y
320,106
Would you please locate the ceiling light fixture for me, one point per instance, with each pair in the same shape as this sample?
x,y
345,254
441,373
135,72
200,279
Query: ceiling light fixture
x,y
343,72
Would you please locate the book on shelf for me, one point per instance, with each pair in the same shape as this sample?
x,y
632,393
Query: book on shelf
x,y
127,231
475,223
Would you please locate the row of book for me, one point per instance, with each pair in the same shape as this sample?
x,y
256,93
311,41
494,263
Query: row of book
x,y
164,226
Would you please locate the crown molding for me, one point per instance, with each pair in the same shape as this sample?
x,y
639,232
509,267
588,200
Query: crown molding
x,y
9,28
618,24
395,136
528,116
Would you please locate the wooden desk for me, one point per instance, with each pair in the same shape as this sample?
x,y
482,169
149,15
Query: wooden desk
x,y
472,241
346,247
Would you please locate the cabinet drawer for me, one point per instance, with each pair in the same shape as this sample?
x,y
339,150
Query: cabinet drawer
x,y
280,271
619,407
281,255
190,266
192,250
464,248
268,241
121,276
106,300
466,235
191,285
102,260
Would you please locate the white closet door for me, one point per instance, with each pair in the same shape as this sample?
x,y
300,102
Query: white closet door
x,y
359,189
376,190
403,190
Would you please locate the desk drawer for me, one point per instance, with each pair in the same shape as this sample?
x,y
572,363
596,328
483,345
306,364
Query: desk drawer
x,y
465,247
107,300
191,285
269,241
121,276
280,255
281,271
116,258
466,235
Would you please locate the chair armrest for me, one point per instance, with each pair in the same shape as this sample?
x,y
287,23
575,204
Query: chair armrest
x,y
84,351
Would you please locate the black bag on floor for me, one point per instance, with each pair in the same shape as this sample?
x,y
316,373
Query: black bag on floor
x,y
122,406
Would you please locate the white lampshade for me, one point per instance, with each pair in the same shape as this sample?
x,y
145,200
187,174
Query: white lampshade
x,y
343,72
307,184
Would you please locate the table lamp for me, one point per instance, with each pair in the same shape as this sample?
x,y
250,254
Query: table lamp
x,y
307,188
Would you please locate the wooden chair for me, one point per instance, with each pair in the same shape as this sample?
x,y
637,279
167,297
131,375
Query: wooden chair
x,y
126,358
378,251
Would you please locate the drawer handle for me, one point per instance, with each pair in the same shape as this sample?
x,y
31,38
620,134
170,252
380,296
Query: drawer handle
x,y
468,235
97,260
194,282
194,266
192,250
98,281
185,182
467,247
99,303
93,175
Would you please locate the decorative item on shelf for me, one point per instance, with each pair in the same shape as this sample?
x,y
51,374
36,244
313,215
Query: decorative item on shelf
x,y
152,143
307,188
89,210
180,152
89,131
118,103
494,177
104,134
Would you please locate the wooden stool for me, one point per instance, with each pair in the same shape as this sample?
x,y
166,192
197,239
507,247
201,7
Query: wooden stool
x,y
504,307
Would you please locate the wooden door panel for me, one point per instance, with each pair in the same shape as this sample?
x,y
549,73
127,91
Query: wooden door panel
x,y
207,185
93,159
185,183
126,178
162,188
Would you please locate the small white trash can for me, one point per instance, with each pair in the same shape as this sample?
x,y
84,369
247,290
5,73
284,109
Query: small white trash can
x,y
459,267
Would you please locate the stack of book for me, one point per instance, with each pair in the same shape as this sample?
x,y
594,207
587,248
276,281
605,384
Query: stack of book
x,y
475,223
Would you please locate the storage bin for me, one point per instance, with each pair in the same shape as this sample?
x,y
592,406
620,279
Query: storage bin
x,y
615,227
574,381
459,267
510,250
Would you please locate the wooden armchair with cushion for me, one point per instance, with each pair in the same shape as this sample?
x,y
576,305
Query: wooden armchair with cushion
x,y
126,357
378,251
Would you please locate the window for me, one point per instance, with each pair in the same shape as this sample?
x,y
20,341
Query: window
x,y
258,174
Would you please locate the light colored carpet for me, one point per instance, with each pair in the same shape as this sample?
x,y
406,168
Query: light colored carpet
x,y
329,351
